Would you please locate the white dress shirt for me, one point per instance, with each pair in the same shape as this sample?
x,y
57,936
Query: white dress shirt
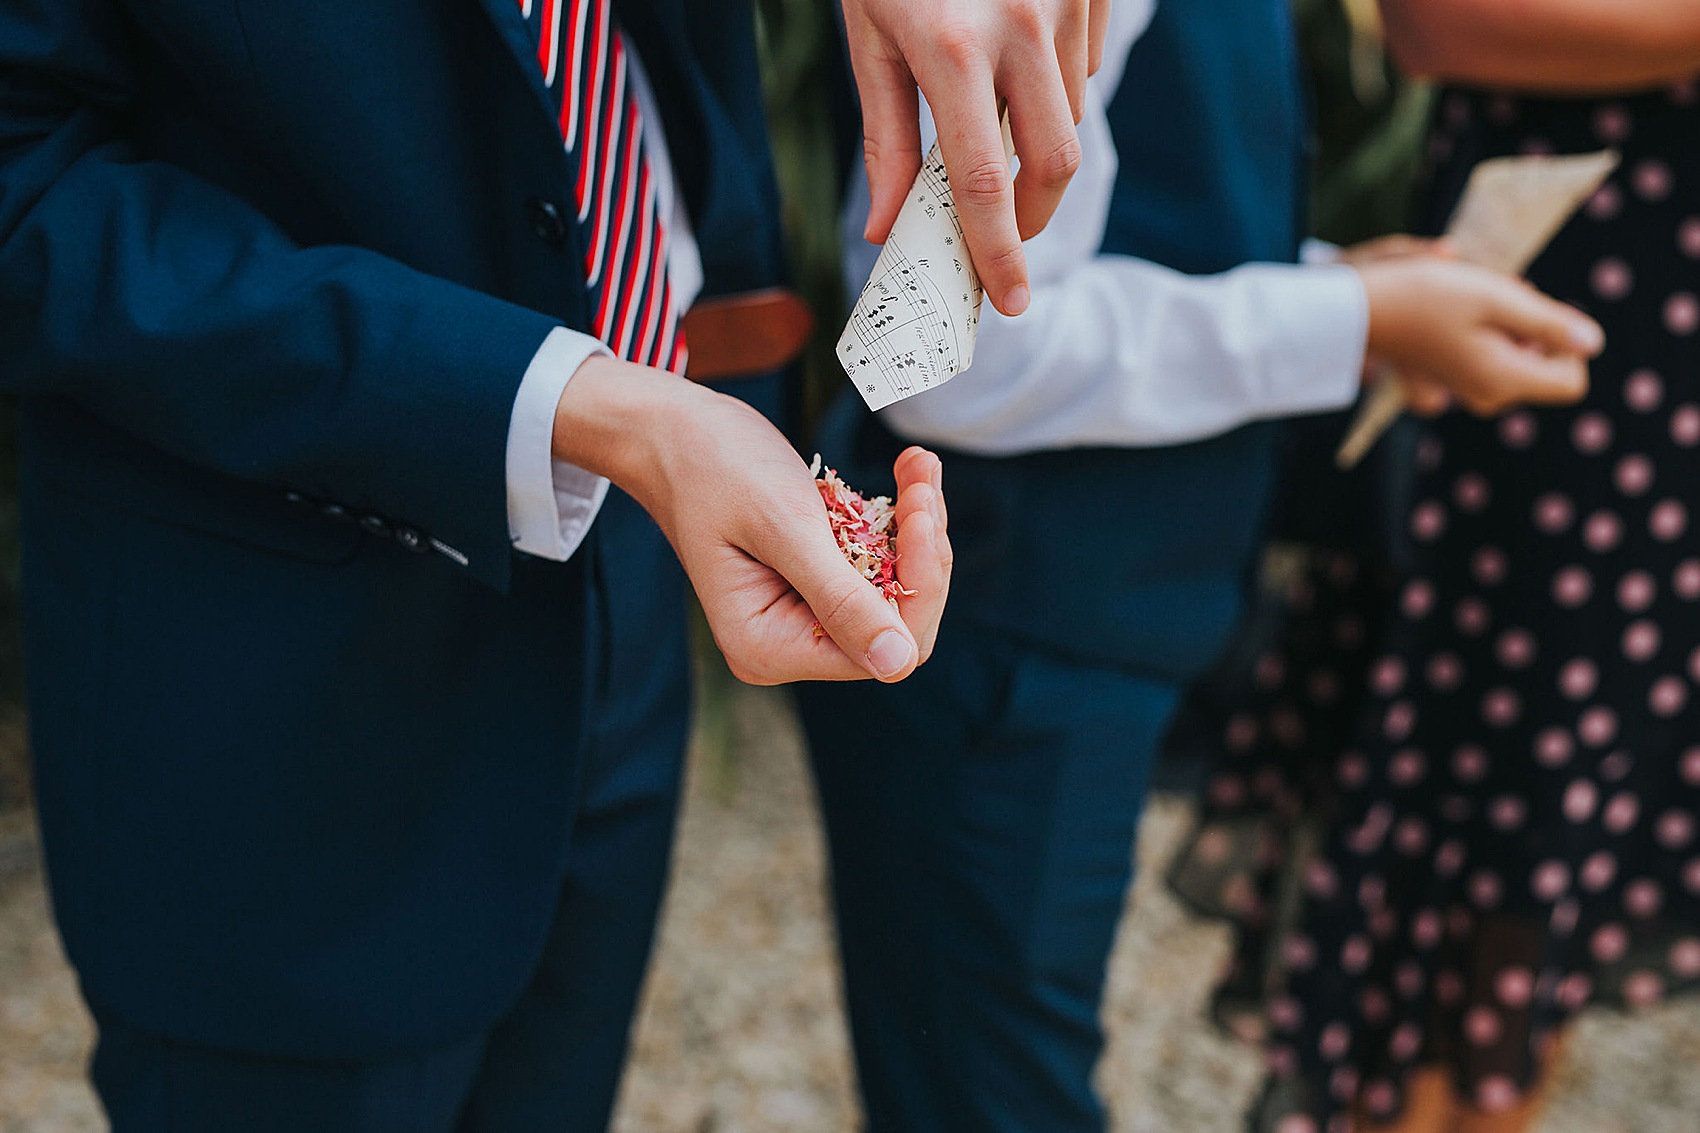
x,y
551,504
1117,351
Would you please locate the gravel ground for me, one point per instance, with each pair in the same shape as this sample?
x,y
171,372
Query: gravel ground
x,y
740,1030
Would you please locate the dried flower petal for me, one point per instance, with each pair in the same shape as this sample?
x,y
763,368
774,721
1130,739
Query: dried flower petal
x,y
865,530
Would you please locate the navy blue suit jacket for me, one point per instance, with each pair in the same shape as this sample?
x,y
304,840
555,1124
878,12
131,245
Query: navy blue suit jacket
x,y
270,274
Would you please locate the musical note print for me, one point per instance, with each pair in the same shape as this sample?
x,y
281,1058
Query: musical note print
x,y
914,326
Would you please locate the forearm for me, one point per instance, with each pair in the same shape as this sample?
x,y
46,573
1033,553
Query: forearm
x,y
1122,352
171,311
1547,46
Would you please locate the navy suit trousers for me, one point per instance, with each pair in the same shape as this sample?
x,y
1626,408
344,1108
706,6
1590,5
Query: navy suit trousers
x,y
981,818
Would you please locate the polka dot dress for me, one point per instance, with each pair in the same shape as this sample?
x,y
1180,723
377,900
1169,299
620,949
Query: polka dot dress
x,y
1504,745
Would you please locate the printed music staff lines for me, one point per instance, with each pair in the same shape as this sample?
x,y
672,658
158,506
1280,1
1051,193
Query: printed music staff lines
x,y
915,323
899,332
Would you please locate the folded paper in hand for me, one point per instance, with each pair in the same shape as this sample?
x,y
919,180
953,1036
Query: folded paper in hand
x,y
1511,209
915,324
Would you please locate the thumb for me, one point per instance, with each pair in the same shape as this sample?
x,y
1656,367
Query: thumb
x,y
850,608
1554,327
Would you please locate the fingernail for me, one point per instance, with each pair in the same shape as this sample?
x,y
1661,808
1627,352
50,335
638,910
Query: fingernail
x,y
1016,299
1587,337
891,653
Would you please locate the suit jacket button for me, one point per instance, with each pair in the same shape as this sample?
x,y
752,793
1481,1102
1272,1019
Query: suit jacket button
x,y
546,220
375,525
334,511
410,539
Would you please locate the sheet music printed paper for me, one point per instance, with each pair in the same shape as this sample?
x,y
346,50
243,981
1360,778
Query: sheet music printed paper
x,y
1511,209
915,324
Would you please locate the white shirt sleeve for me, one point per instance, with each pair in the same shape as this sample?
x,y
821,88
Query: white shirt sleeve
x,y
1117,351
551,504
1127,353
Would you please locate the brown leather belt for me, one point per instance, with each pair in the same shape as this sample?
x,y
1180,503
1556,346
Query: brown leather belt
x,y
734,336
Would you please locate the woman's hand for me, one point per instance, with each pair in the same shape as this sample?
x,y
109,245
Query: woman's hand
x,y
1457,332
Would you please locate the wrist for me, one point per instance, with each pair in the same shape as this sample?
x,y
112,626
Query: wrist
x,y
1387,295
615,418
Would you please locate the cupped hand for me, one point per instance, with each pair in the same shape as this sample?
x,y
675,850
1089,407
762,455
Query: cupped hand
x,y
748,524
968,57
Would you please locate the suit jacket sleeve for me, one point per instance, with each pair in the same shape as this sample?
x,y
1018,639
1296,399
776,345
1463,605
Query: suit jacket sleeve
x,y
174,310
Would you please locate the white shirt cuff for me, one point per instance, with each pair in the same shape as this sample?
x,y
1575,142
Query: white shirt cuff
x,y
551,504
1314,252
1315,361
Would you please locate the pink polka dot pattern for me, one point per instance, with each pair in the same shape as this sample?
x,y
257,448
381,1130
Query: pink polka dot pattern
x,y
1581,799
1553,747
1668,520
1636,591
1496,1093
1621,812
1550,880
1612,124
1682,314
1518,430
1482,1026
1602,532
1643,898
1513,735
1572,586
1472,617
1597,726
1611,279
1489,566
1688,237
1641,640
1633,475
1471,492
1652,180
1668,696
1609,943
1675,830
1685,958
1554,513
1606,203
1643,989
1685,580
1515,987
1592,433
1469,763
1501,707
1516,648
1643,391
1685,425
1579,678
1418,599
1428,521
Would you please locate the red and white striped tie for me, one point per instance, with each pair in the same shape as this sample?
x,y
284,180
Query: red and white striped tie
x,y
585,65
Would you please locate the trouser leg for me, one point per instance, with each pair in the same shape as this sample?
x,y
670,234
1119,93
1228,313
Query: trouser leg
x,y
150,1083
554,1063
981,818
